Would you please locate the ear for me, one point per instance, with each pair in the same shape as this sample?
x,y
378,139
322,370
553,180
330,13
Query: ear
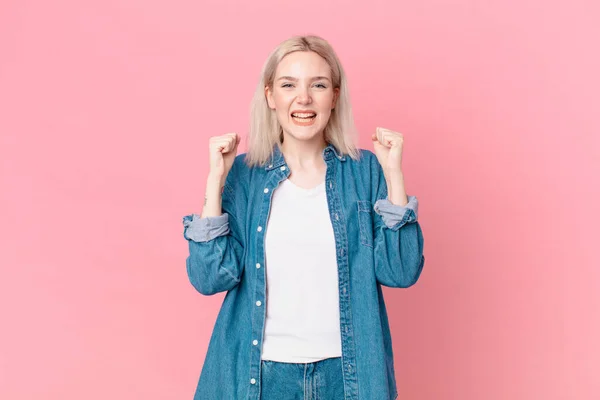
x,y
269,97
336,95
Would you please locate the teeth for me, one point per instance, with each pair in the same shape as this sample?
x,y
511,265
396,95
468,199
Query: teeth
x,y
303,115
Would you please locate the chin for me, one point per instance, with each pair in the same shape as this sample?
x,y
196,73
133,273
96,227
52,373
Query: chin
x,y
304,135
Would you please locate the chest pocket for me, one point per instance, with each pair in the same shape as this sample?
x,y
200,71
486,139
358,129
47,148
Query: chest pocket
x,y
365,222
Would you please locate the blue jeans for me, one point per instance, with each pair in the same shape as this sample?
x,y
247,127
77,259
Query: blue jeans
x,y
320,380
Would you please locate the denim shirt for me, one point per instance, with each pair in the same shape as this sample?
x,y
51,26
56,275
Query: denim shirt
x,y
377,243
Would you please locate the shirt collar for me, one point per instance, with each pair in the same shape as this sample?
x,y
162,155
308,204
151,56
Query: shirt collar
x,y
277,160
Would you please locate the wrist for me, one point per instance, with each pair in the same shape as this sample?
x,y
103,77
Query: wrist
x,y
394,172
215,179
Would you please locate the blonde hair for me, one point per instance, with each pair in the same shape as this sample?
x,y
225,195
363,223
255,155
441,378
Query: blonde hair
x,y
265,130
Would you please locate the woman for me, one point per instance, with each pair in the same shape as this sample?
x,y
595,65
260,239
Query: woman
x,y
301,232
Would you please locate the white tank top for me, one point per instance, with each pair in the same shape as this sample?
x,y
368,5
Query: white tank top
x,y
303,317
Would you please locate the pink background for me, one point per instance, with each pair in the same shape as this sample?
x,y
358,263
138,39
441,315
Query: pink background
x,y
105,112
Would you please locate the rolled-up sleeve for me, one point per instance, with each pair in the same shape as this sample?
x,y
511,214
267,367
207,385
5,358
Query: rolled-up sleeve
x,y
205,229
395,216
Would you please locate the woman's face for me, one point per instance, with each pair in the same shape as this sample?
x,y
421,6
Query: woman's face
x,y
302,94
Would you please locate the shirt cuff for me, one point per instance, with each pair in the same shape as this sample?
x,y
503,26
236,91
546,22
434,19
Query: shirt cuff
x,y
205,229
395,216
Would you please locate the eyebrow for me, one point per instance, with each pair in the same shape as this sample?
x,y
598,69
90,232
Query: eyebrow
x,y
291,78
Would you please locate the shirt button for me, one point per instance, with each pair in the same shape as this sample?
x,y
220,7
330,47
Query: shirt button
x,y
253,381
255,342
282,168
258,303
266,190
270,165
337,217
257,265
330,185
259,228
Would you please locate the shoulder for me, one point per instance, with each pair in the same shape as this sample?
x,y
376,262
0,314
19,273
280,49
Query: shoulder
x,y
240,168
366,165
238,163
368,174
241,165
241,175
367,155
237,178
366,162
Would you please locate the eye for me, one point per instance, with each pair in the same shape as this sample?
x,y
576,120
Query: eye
x,y
286,85
321,86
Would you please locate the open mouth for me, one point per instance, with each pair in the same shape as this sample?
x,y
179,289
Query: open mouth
x,y
304,117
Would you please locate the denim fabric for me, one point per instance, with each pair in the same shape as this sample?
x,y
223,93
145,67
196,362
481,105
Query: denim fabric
x,y
320,380
377,244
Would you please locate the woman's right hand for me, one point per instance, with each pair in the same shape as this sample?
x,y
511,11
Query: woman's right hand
x,y
223,150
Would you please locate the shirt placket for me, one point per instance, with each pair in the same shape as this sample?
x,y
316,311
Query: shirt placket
x,y
341,243
273,180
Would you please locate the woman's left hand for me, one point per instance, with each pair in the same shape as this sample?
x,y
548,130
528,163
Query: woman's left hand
x,y
388,149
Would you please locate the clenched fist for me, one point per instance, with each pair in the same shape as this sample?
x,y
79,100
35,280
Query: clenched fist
x,y
223,150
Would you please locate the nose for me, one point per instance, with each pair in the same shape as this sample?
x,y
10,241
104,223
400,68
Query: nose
x,y
304,96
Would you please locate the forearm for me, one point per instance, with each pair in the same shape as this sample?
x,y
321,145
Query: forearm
x,y
396,191
213,197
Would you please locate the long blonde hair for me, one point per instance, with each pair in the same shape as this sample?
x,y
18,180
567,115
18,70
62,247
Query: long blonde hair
x,y
265,130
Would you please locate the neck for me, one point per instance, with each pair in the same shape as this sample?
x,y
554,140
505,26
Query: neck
x,y
303,152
